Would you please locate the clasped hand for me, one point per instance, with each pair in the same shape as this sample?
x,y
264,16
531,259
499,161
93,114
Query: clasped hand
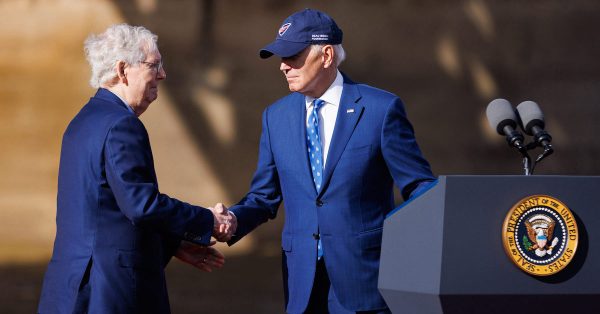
x,y
205,258
225,223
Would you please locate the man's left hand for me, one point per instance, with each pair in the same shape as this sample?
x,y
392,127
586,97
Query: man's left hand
x,y
205,258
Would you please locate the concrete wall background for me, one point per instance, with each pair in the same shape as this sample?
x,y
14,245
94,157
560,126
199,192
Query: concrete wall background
x,y
445,59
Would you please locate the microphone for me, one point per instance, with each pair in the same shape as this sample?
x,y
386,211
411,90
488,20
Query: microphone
x,y
502,118
532,122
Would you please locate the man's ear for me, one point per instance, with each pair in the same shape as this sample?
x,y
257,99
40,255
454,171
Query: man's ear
x,y
121,69
328,55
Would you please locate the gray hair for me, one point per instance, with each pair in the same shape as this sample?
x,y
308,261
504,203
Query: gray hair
x,y
339,52
120,42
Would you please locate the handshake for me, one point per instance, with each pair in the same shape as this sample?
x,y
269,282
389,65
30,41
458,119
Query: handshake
x,y
207,258
225,223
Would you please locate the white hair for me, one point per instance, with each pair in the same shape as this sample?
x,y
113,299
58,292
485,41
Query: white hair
x,y
120,42
339,52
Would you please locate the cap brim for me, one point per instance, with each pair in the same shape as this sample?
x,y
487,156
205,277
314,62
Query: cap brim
x,y
282,48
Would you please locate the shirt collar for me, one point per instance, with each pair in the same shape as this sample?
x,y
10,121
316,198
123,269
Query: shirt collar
x,y
332,95
123,100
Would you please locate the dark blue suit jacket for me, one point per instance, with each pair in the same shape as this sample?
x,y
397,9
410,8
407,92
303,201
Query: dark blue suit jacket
x,y
372,146
115,231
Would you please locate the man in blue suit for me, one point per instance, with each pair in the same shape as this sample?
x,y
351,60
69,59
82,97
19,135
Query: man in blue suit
x,y
115,231
331,151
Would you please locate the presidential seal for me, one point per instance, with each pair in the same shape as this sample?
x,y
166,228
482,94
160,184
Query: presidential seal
x,y
540,235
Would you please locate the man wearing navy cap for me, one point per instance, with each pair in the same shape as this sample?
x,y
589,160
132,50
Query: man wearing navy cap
x,y
331,150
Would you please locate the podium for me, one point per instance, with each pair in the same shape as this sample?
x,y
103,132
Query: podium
x,y
443,252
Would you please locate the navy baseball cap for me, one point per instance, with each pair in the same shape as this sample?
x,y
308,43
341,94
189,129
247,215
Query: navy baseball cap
x,y
301,29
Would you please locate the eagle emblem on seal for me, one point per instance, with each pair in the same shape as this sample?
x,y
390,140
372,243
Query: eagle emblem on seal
x,y
540,235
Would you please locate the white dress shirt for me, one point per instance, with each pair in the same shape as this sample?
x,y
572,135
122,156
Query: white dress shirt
x,y
328,112
123,100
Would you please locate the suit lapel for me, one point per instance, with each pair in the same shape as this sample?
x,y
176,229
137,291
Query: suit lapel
x,y
348,115
297,138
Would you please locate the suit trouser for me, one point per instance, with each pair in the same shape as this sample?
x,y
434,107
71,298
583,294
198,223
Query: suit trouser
x,y
323,299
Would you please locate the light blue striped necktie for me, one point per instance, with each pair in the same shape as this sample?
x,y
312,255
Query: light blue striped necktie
x,y
315,153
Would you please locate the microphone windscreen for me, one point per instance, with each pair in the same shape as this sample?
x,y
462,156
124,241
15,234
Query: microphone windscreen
x,y
531,115
500,113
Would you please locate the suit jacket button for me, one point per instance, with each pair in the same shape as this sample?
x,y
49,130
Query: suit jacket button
x,y
319,203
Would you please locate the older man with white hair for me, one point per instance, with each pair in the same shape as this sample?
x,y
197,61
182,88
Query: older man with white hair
x,y
115,231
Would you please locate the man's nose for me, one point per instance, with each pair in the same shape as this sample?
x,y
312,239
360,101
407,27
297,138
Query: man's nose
x,y
284,66
162,74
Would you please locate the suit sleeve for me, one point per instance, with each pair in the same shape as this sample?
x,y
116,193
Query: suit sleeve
x,y
408,167
170,244
131,176
263,200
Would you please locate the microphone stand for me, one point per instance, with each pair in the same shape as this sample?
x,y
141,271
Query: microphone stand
x,y
548,150
515,139
528,165
541,139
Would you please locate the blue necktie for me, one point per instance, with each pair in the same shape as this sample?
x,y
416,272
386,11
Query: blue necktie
x,y
315,152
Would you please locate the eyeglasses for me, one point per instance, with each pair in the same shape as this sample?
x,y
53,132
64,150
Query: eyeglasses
x,y
156,66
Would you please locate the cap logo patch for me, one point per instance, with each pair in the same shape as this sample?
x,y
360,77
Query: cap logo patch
x,y
284,28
